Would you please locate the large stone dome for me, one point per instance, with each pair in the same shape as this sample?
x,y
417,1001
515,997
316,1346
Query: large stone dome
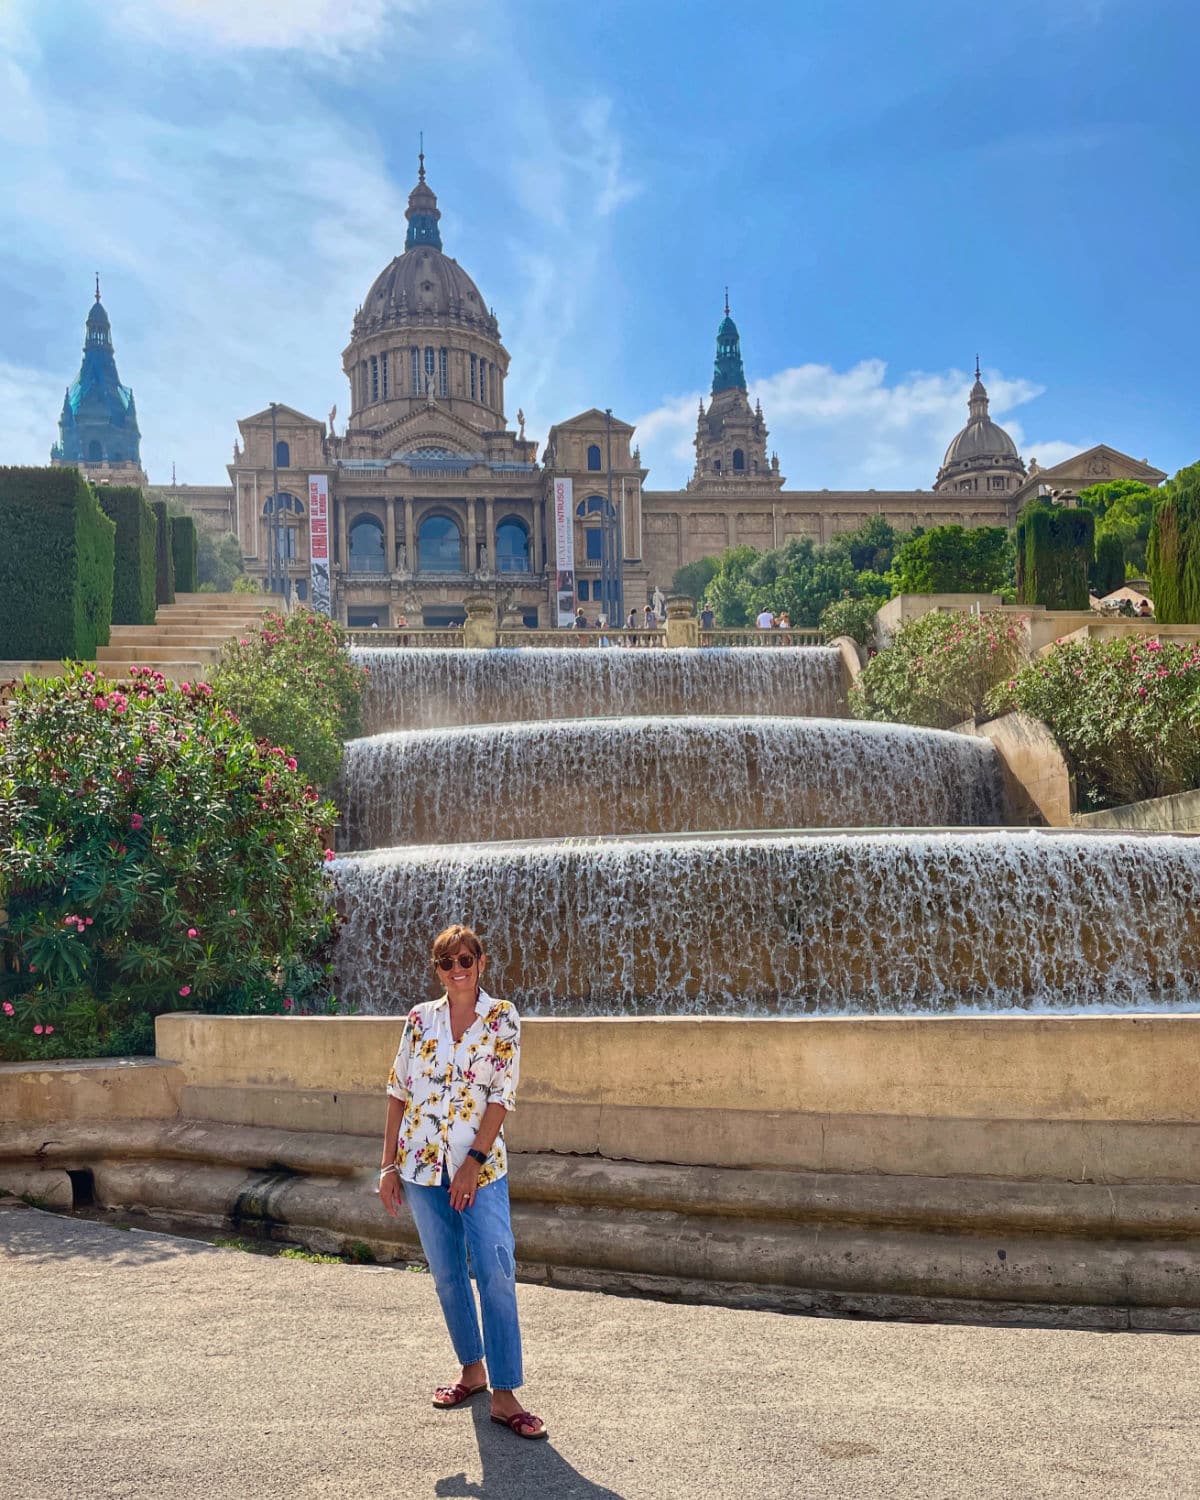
x,y
423,284
981,437
982,456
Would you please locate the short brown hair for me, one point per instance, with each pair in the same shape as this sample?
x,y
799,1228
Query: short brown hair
x,y
451,939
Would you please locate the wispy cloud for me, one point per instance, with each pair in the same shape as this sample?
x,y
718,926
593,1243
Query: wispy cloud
x,y
325,28
848,429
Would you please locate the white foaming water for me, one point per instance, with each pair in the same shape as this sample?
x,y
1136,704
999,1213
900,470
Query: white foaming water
x,y
433,689
787,924
664,775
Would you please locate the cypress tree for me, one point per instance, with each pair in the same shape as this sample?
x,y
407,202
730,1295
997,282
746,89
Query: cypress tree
x,y
1055,550
1173,551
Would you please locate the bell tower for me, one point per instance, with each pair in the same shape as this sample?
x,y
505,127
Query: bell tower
x,y
731,437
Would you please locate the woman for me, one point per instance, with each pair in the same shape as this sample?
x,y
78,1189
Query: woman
x,y
452,1083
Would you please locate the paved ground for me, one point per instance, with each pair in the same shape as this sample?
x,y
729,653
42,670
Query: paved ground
x,y
140,1365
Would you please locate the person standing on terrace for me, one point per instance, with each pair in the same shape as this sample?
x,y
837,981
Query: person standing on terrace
x,y
452,1083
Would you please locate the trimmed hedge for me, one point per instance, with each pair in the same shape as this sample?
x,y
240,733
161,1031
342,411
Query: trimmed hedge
x,y
1108,571
56,566
164,562
1173,551
135,567
1055,550
183,554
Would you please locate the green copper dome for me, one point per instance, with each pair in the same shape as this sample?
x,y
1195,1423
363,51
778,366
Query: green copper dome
x,y
728,374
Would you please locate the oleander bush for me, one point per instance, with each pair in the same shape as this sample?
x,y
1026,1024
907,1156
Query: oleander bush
x,y
153,857
183,553
852,617
1126,714
292,682
134,563
939,668
56,565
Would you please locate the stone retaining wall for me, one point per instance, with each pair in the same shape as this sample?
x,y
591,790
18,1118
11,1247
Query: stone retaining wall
x,y
1040,1166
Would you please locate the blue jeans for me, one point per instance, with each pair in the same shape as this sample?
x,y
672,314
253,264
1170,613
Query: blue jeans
x,y
485,1231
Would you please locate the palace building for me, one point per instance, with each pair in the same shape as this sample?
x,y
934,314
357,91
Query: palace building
x,y
434,495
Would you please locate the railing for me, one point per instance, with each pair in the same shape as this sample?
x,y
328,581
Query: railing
x,y
762,638
445,638
573,639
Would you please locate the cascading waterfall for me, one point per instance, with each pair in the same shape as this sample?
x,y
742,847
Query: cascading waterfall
x,y
668,775
434,689
790,924
628,816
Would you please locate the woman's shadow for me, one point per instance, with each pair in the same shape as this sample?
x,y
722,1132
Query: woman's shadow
x,y
537,1469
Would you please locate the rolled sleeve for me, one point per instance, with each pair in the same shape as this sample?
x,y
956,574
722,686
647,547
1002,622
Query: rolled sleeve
x,y
507,1053
397,1084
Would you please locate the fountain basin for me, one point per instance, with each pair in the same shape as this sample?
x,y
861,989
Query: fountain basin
x,y
433,689
786,924
668,775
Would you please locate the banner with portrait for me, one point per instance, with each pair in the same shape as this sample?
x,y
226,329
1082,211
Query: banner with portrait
x,y
318,540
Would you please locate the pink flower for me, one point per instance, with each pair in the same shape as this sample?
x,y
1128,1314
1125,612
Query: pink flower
x,y
328,855
136,822
232,912
242,641
49,1029
37,1030
291,762
185,989
192,932
287,1002
8,1009
87,921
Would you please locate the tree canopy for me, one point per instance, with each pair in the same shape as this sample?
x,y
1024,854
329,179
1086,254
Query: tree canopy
x,y
954,560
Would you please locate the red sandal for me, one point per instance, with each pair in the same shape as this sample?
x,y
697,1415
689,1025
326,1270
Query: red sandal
x,y
447,1396
520,1421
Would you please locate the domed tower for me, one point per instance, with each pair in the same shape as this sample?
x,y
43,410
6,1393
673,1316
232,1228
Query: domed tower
x,y
424,336
98,428
731,438
982,459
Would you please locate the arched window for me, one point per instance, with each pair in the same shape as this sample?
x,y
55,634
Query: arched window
x,y
512,546
594,456
439,546
594,505
430,367
283,455
366,546
716,465
739,460
95,452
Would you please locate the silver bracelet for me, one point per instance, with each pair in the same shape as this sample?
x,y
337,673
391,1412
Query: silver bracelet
x,y
392,1167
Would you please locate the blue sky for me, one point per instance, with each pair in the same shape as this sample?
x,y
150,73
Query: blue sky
x,y
886,188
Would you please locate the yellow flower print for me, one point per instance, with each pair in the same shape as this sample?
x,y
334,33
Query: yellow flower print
x,y
429,1048
504,1050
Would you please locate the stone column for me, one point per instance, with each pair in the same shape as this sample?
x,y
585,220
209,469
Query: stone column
x,y
490,508
343,536
535,560
472,548
389,526
410,540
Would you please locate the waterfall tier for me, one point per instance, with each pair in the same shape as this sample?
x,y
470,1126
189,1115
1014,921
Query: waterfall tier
x,y
434,689
664,775
786,923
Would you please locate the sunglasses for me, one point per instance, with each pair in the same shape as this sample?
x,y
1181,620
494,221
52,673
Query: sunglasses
x,y
467,960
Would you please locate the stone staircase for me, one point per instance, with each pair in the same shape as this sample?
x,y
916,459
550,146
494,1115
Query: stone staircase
x,y
183,643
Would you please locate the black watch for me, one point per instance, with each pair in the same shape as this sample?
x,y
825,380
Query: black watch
x,y
480,1156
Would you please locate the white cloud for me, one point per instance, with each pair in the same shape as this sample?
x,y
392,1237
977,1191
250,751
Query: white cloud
x,y
329,28
847,429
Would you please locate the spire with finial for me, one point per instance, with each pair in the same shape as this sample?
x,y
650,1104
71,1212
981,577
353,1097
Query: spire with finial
x,y
728,373
977,403
422,212
97,286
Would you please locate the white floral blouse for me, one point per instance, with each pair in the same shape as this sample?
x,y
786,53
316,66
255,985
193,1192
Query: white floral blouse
x,y
447,1086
